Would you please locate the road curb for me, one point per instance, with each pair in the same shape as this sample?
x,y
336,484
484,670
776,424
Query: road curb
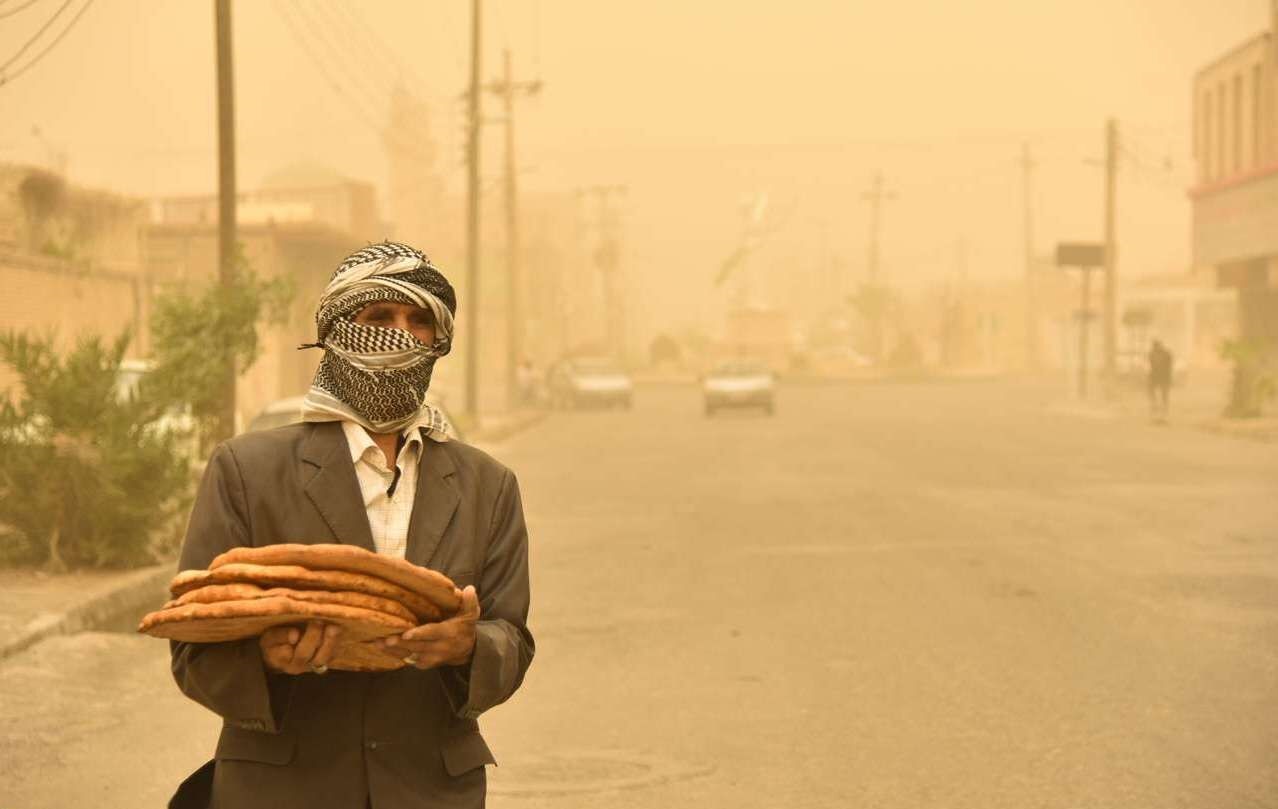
x,y
134,592
501,432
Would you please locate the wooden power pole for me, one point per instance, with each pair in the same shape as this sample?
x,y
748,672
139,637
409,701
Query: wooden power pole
x,y
472,218
226,188
876,196
1110,330
1031,290
507,88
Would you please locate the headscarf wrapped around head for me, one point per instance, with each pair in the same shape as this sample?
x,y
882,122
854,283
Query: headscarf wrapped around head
x,y
374,376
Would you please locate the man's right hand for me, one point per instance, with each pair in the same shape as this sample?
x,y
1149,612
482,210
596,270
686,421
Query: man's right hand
x,y
298,650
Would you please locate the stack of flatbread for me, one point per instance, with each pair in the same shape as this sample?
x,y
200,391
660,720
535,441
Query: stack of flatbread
x,y
246,591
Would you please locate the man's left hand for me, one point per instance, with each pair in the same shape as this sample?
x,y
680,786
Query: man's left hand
x,y
447,643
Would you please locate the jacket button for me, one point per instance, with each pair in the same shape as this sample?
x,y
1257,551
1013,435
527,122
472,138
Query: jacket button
x,y
371,745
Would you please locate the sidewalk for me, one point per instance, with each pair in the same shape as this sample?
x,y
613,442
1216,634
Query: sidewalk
x,y
35,605
1196,406
497,427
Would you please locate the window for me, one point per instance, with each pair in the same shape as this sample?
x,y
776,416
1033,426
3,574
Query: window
x,y
1257,117
1222,130
1207,145
1238,124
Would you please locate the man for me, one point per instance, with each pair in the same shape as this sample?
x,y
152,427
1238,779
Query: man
x,y
370,465
1160,380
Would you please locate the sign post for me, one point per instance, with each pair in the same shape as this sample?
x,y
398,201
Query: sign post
x,y
1085,256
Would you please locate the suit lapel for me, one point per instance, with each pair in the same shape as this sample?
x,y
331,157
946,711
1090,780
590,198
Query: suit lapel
x,y
433,504
334,489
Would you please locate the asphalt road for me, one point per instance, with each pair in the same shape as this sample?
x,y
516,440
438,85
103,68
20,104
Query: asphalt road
x,y
884,596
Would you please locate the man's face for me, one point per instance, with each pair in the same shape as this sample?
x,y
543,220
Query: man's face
x,y
393,315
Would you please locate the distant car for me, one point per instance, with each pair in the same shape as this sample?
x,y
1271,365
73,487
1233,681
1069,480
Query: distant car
x,y
176,420
739,385
587,382
289,411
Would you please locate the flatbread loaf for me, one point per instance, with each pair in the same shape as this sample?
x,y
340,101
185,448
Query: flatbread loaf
x,y
233,620
214,593
301,578
434,586
365,656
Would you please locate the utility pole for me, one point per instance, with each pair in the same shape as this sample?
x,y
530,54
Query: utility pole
x,y
608,259
1032,358
507,88
876,196
472,218
225,190
1110,331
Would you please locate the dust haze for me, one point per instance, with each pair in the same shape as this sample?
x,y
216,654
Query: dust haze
x,y
846,485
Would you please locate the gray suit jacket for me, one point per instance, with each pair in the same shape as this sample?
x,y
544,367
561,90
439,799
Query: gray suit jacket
x,y
405,738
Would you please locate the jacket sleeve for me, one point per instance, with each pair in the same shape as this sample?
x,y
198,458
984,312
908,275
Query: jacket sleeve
x,y
503,644
228,678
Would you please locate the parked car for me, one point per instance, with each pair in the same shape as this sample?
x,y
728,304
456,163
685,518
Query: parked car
x,y
176,420
587,382
289,411
739,384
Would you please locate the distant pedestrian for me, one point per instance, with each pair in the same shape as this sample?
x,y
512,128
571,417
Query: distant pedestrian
x,y
526,379
1160,380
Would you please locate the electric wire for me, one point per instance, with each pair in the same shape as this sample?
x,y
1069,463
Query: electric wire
x,y
22,7
5,79
295,31
37,35
357,81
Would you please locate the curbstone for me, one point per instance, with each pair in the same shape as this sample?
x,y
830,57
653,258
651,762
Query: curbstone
x,y
502,431
134,592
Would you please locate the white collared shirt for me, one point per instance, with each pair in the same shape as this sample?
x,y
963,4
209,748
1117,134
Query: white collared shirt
x,y
387,515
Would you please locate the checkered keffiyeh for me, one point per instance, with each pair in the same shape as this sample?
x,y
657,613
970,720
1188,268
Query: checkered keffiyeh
x,y
377,377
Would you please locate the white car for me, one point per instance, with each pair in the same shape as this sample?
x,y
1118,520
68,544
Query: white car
x,y
289,411
585,382
741,384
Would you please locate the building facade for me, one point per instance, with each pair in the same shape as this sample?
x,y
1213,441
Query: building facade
x,y
1235,198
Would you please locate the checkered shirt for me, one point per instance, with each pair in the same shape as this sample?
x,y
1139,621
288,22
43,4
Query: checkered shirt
x,y
387,516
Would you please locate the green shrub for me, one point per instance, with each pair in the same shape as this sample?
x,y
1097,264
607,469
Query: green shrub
x,y
196,334
1254,384
89,477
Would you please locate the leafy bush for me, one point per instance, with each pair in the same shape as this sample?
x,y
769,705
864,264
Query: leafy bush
x,y
196,335
88,477
1255,376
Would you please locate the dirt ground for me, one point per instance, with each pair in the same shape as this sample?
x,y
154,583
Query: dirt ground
x,y
884,596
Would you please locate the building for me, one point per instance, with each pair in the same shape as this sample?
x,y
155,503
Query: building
x,y
1235,197
299,194
71,261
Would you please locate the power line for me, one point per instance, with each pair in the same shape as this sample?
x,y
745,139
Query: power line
x,y
336,86
38,34
345,36
15,74
371,38
22,7
399,72
356,79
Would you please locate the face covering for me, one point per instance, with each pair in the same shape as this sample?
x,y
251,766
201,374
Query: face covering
x,y
378,377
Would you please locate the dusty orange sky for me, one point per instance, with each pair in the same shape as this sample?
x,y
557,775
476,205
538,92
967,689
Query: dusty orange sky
x,y
693,106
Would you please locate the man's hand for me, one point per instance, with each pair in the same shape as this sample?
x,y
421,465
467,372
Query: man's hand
x,y
294,650
447,643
